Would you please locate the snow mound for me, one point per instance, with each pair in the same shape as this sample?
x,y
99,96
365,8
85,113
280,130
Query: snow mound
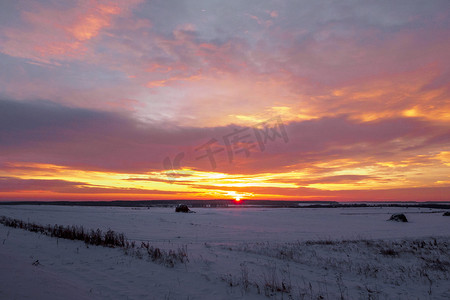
x,y
183,208
398,218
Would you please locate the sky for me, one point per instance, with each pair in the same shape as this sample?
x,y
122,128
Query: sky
x,y
207,99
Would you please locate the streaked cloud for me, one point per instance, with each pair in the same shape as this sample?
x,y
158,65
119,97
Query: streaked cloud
x,y
95,95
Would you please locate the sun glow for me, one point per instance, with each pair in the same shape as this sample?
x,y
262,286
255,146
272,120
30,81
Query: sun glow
x,y
237,197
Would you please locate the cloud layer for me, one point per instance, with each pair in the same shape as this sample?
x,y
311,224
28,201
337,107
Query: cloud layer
x,y
99,97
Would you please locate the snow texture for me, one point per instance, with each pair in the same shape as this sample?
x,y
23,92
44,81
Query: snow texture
x,y
235,253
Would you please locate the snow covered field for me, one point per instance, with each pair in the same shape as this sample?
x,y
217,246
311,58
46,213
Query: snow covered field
x,y
234,253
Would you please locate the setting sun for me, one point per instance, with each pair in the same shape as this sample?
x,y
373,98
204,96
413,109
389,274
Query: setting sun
x,y
237,197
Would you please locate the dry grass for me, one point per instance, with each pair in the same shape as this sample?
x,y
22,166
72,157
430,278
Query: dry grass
x,y
109,238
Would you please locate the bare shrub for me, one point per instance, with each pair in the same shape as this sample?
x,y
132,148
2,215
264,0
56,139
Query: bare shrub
x,y
244,276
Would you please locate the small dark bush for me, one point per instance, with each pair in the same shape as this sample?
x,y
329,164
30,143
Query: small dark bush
x,y
182,208
389,252
170,258
398,218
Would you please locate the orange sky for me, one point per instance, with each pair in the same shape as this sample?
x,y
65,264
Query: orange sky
x,y
110,100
